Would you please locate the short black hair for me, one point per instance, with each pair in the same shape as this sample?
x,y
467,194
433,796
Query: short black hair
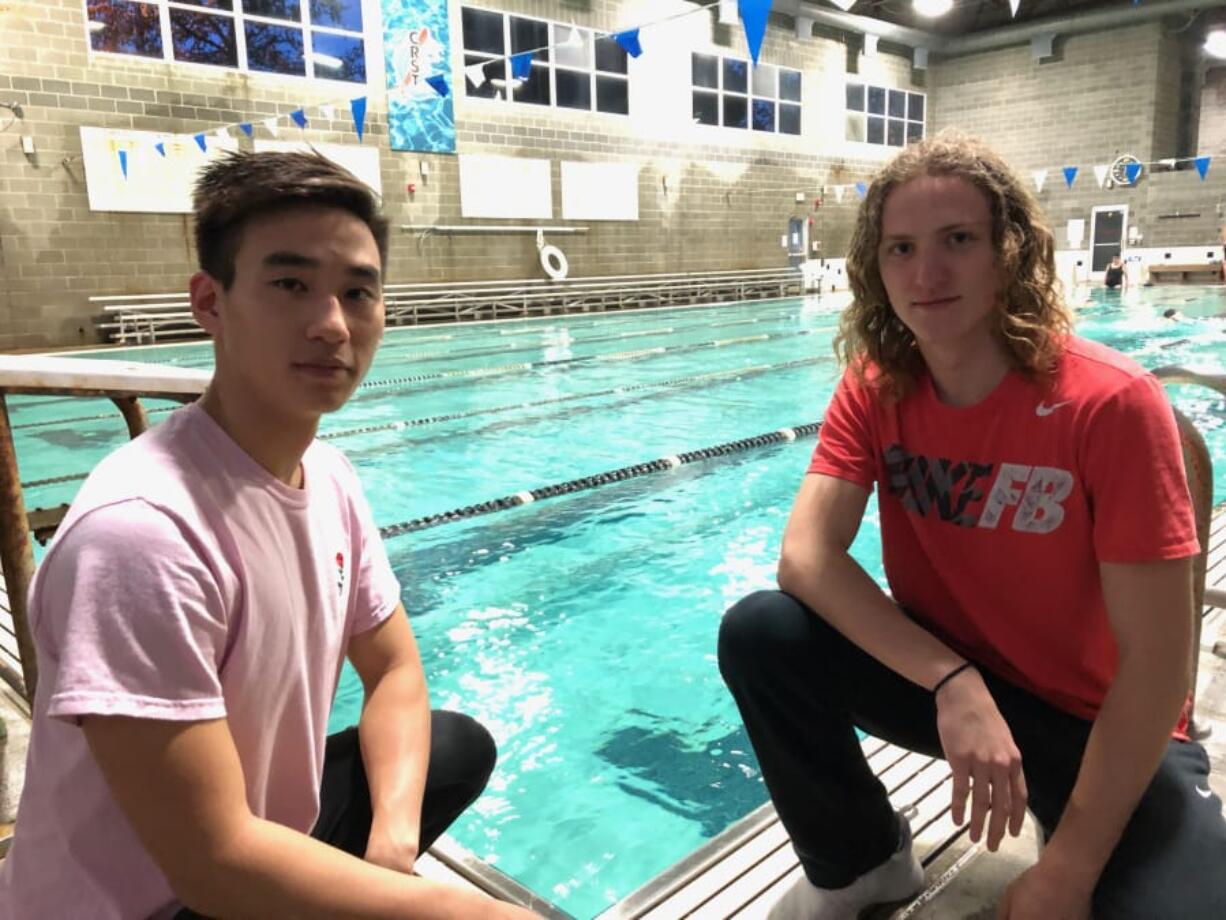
x,y
240,186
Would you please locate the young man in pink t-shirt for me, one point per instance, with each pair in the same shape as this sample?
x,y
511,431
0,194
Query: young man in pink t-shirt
x,y
193,613
1037,537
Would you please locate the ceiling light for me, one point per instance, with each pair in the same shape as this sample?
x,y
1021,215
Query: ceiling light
x,y
96,26
328,61
1215,43
844,5
932,7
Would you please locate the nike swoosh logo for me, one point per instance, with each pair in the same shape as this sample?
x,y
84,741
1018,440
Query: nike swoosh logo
x,y
1204,793
1042,409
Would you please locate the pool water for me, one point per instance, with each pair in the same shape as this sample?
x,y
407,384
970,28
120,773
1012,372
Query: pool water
x,y
581,630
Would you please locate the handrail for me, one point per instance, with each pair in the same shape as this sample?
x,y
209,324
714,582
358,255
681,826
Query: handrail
x,y
1198,467
124,383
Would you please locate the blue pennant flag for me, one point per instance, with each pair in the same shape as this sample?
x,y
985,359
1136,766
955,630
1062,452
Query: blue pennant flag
x,y
1132,171
160,148
861,189
247,128
123,162
521,65
629,42
299,117
1070,175
358,108
753,17
200,141
439,82
1202,166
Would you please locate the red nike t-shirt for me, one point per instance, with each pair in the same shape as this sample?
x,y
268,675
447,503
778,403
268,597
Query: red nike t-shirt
x,y
994,517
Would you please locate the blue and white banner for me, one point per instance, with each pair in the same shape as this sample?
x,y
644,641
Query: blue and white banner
x,y
417,50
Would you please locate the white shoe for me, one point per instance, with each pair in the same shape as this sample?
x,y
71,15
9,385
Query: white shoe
x,y
898,878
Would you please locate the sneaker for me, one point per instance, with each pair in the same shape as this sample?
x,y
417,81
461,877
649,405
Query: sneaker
x,y
898,878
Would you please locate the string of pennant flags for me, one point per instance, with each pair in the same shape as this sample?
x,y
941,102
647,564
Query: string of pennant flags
x,y
753,15
1070,174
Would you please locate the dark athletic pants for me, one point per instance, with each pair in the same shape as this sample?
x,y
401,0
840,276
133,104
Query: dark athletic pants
x,y
462,757
801,687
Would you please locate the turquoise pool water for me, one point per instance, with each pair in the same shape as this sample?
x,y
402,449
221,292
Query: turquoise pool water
x,y
581,629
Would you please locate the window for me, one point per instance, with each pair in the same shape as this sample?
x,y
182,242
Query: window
x,y
726,91
877,115
577,68
306,38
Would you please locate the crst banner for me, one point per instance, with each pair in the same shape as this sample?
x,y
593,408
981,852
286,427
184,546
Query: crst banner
x,y
417,56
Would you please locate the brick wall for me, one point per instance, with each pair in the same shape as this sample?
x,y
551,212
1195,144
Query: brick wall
x,y
730,192
1102,95
1213,113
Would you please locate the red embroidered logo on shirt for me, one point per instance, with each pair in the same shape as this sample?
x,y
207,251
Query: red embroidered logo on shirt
x,y
340,573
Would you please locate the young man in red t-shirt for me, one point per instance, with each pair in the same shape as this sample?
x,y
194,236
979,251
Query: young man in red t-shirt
x,y
1038,539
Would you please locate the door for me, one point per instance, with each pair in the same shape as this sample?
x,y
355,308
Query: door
x,y
796,240
1106,235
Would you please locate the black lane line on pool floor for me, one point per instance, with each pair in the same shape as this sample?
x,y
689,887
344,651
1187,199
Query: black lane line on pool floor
x,y
425,357
672,383
527,496
367,389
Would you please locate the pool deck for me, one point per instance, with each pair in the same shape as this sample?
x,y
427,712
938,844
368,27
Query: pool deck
x,y
740,873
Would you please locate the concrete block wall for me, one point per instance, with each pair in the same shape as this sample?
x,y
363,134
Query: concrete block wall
x,y
730,193
729,199
1103,95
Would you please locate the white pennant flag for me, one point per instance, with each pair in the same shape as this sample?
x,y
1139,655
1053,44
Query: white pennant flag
x,y
1040,176
475,74
838,192
223,133
1100,173
271,125
574,40
329,111
1013,5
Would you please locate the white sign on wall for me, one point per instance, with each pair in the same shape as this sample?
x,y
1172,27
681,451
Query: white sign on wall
x,y
600,191
155,184
363,162
494,186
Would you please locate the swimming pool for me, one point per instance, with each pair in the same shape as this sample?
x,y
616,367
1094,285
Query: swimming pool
x,y
581,629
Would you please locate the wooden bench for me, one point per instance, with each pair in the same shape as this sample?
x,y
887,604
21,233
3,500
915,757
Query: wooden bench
x,y
1204,273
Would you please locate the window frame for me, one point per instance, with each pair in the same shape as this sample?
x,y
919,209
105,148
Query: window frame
x,y
750,96
240,18
505,95
862,116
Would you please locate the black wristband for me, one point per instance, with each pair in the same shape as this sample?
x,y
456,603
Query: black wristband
x,y
951,675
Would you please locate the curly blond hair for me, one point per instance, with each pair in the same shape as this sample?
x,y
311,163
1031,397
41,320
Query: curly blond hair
x,y
1032,321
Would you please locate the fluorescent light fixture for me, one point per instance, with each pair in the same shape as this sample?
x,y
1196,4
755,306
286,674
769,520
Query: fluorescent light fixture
x,y
844,5
96,26
932,7
1215,43
327,60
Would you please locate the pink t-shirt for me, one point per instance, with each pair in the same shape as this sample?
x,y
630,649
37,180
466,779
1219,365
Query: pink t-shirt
x,y
186,583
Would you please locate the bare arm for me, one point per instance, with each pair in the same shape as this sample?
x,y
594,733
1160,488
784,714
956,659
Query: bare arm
x,y
816,568
395,736
180,785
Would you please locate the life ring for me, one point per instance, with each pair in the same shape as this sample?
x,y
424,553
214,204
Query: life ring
x,y
553,261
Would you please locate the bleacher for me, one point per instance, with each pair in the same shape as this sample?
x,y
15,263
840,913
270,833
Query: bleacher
x,y
136,319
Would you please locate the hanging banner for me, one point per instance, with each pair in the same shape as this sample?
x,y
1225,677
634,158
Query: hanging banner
x,y
1039,176
417,47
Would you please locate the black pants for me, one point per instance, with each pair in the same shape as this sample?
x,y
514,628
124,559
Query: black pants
x,y
462,757
802,688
